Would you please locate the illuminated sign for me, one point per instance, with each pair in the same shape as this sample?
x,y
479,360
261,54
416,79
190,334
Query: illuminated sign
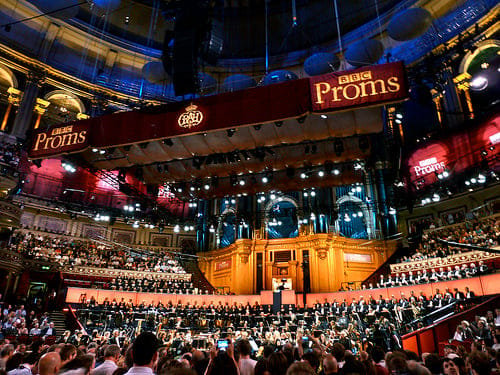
x,y
364,86
495,138
428,166
69,138
190,118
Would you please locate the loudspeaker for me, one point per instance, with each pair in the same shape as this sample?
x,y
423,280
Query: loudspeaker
x,y
191,25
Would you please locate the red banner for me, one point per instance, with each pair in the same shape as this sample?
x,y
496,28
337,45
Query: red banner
x,y
367,86
223,265
456,153
65,139
371,85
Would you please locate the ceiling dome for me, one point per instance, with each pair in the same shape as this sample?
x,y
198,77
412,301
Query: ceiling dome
x,y
68,8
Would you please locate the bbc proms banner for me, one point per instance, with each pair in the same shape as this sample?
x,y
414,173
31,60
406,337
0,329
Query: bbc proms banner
x,y
371,85
339,91
66,139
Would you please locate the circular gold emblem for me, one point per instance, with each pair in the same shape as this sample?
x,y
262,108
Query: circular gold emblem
x,y
190,118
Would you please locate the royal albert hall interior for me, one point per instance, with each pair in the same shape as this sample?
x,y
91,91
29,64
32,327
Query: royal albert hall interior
x,y
272,168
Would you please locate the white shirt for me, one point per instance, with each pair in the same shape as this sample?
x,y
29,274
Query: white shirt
x,y
140,370
247,366
106,368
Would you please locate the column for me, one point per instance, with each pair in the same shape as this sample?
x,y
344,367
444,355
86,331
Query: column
x,y
463,84
437,98
371,222
24,116
14,99
7,285
40,108
98,106
452,105
383,212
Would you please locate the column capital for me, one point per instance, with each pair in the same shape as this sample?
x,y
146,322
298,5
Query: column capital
x,y
14,95
36,76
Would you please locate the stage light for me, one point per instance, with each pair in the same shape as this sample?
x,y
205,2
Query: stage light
x,y
321,173
313,193
206,186
338,147
102,152
303,175
230,132
479,83
399,115
94,150
392,211
242,182
68,167
323,116
301,119
336,172
265,180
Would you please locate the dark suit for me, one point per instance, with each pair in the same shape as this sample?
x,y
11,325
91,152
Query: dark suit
x,y
49,331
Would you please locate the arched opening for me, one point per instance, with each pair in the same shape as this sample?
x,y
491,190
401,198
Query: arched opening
x,y
281,218
227,228
354,220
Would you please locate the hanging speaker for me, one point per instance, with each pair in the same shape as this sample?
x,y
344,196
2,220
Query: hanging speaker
x,y
191,26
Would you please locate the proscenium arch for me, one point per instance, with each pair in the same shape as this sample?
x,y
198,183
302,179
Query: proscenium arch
x,y
72,102
7,77
470,56
364,207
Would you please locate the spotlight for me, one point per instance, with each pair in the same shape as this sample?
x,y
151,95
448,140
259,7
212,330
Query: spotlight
x,y
94,150
364,144
321,173
338,147
242,182
206,187
479,83
336,172
68,167
323,116
265,180
399,115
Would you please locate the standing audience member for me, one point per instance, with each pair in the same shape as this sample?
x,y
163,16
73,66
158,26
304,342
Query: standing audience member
x,y
245,363
111,356
49,364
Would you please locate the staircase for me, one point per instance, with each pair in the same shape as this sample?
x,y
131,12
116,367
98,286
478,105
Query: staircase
x,y
198,278
59,320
